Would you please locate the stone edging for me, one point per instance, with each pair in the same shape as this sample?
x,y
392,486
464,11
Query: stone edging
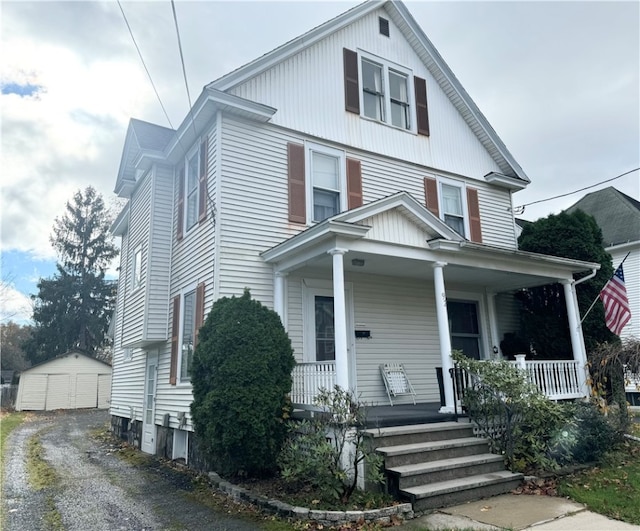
x,y
403,511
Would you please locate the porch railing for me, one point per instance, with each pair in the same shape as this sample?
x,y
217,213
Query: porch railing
x,y
556,379
309,378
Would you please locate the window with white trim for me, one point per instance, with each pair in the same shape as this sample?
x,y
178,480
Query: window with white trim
x,y
136,273
464,326
326,174
452,207
192,177
385,92
187,334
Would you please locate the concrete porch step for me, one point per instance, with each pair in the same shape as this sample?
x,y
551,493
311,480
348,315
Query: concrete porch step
x,y
455,491
406,476
425,452
416,433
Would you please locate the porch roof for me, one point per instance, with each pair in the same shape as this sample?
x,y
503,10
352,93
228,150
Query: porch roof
x,y
397,236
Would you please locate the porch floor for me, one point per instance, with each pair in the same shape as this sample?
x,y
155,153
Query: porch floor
x,y
404,414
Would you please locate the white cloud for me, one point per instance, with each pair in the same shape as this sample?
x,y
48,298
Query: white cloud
x,y
14,305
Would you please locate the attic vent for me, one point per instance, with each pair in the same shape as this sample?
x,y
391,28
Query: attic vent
x,y
384,26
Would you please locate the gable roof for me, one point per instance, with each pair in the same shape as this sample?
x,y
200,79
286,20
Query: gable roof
x,y
617,215
423,47
74,352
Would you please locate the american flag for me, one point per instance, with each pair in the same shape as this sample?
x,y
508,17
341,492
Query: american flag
x,y
616,304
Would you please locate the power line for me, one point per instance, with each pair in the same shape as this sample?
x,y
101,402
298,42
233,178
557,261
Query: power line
x,y
184,70
144,64
519,210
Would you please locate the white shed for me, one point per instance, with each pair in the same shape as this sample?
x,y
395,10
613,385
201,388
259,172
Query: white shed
x,y
70,381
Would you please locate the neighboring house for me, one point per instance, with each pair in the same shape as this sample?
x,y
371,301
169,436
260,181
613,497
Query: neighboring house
x,y
351,183
70,381
618,216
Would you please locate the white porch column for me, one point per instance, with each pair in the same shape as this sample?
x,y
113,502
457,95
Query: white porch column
x,y
278,294
340,318
575,331
493,325
443,333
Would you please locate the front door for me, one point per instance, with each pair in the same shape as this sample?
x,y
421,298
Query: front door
x,y
464,328
148,418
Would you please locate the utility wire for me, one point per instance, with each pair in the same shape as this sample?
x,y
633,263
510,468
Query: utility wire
x,y
520,209
184,70
144,64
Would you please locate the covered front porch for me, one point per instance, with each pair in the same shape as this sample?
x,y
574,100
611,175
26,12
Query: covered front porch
x,y
390,282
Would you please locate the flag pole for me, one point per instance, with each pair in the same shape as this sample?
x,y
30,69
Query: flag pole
x,y
598,295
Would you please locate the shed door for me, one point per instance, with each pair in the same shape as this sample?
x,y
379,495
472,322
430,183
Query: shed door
x,y
104,390
58,392
86,391
33,389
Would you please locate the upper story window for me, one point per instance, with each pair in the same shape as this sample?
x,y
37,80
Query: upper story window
x,y
452,207
386,92
191,206
326,175
456,204
321,182
136,273
192,189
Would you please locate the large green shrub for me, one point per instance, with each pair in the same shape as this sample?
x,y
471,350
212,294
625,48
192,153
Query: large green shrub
x,y
241,375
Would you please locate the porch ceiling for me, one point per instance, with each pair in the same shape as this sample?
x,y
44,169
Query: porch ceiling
x,y
456,276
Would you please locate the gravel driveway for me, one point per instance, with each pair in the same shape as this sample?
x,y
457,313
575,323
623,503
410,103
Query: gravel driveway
x,y
96,489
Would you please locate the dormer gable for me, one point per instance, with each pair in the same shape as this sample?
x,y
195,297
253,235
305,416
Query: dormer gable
x,y
144,142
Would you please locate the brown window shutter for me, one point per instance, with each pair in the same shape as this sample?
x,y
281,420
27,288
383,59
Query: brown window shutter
x,y
431,195
180,224
351,89
474,215
354,183
297,195
175,338
199,317
422,113
202,190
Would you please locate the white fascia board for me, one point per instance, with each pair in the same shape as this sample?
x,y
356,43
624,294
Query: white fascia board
x,y
121,223
451,82
313,236
400,200
567,266
627,246
282,53
123,183
201,114
504,181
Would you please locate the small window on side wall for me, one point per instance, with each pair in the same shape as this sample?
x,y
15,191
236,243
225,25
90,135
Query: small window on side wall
x,y
136,276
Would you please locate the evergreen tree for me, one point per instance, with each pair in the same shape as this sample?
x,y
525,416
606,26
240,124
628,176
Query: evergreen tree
x,y
73,308
12,336
544,316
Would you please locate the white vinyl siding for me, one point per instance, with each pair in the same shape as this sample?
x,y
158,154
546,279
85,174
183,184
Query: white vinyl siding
x,y
192,261
631,269
316,74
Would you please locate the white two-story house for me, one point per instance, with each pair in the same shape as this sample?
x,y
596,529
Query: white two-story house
x,y
348,180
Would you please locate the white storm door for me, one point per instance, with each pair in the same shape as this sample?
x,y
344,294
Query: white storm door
x,y
148,415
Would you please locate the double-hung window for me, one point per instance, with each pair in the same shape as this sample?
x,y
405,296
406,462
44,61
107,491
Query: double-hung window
x,y
452,207
326,175
385,92
191,187
188,335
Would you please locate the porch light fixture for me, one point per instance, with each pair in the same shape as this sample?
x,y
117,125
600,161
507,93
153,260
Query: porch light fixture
x,y
357,262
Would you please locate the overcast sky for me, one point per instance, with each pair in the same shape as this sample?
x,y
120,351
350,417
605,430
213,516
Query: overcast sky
x,y
559,82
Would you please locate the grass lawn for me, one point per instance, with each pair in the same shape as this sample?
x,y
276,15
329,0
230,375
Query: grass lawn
x,y
613,488
8,422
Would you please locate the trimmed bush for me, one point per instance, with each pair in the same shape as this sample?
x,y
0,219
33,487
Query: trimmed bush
x,y
241,376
